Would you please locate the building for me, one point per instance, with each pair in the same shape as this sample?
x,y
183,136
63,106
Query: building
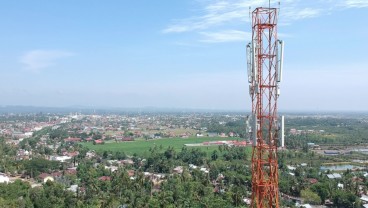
x,y
72,140
334,176
104,178
4,178
73,188
331,152
60,158
178,169
99,141
44,177
212,134
364,199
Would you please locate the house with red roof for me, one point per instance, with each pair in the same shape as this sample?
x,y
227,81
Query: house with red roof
x,y
104,178
44,177
99,141
71,171
71,139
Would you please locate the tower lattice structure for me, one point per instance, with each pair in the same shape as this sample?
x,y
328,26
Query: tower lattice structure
x,y
265,54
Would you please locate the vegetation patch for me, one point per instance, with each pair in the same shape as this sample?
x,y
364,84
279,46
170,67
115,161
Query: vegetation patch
x,y
141,146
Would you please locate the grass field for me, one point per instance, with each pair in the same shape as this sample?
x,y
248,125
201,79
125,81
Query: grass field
x,y
141,146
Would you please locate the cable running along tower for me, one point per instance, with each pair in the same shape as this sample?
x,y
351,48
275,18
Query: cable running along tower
x,y
264,57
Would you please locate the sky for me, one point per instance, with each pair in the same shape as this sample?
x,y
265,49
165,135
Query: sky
x,y
178,54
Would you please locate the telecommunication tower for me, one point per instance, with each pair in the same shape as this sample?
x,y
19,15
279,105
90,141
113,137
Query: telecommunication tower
x,y
264,57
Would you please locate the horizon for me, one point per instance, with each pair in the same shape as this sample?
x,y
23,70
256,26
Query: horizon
x,y
182,55
150,109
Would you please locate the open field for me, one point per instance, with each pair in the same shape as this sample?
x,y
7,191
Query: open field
x,y
141,146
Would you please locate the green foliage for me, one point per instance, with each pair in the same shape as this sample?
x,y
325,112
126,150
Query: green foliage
x,y
14,190
20,194
322,189
230,126
310,197
337,131
39,165
7,153
192,188
58,134
344,199
235,153
142,147
214,155
6,149
192,156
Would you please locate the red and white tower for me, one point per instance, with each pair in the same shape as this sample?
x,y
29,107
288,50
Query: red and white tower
x,y
264,56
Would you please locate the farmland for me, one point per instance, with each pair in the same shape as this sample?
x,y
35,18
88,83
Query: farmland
x,y
141,146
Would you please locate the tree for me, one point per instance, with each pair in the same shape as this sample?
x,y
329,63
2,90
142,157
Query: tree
x,y
310,197
38,165
214,155
343,199
321,189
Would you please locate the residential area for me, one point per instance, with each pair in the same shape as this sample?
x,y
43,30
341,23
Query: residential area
x,y
82,152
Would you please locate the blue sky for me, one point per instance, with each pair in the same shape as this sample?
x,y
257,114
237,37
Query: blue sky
x,y
180,54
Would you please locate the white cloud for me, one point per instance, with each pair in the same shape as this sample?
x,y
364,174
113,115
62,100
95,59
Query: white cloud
x,y
228,14
291,15
214,14
356,3
226,36
37,60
